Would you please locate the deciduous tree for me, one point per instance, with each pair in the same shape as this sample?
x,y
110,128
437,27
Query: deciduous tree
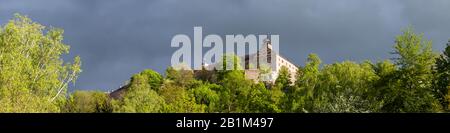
x,y
33,76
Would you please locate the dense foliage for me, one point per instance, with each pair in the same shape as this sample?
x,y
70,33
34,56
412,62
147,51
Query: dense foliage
x,y
34,78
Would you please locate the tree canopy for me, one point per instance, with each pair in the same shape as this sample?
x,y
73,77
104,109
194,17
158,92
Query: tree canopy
x,y
33,76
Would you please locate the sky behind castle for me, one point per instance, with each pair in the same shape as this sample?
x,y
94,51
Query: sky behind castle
x,y
116,39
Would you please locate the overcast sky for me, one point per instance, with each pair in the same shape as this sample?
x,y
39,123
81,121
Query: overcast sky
x,y
117,38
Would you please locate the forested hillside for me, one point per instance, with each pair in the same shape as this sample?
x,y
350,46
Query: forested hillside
x,y
34,78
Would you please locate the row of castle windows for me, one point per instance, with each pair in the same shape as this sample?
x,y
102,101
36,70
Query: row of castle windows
x,y
288,64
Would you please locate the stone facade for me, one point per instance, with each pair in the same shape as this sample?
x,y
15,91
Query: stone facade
x,y
266,72
274,65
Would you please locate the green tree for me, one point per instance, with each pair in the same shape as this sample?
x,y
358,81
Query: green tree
x,y
277,99
258,100
206,96
345,86
234,85
181,77
386,71
284,78
88,102
306,83
411,91
179,100
264,72
154,79
442,81
33,76
229,62
140,97
283,86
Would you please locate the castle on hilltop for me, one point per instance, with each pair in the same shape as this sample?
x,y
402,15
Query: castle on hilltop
x,y
264,72
268,72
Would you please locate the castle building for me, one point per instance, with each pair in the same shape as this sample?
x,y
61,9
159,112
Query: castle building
x,y
265,72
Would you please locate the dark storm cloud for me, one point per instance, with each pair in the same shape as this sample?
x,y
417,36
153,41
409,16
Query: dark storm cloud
x,y
118,38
